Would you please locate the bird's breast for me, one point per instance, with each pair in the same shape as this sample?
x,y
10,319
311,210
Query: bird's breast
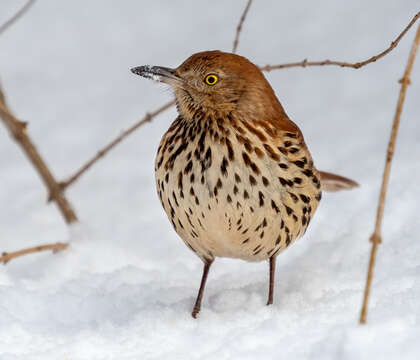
x,y
233,192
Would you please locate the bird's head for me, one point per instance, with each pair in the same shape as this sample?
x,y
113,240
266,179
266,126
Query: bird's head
x,y
214,81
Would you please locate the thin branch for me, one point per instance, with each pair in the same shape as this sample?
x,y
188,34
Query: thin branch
x,y
16,17
376,237
17,130
239,27
356,65
6,257
101,153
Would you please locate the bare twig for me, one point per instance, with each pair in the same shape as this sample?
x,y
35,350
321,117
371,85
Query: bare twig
x,y
376,237
17,130
101,153
239,27
6,257
356,65
15,17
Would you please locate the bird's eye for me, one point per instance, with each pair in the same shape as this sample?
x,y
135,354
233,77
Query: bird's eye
x,y
211,79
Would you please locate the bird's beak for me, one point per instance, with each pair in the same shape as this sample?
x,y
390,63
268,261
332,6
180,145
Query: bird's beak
x,y
158,73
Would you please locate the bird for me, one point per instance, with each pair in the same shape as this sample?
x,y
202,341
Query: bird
x,y
233,172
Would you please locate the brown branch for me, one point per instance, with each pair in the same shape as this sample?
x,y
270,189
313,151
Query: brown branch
x,y
17,130
16,17
239,27
6,257
101,153
376,237
356,65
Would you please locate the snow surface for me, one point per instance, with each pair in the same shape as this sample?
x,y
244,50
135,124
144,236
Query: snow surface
x,y
126,286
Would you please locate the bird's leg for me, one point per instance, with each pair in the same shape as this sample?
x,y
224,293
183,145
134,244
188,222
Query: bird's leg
x,y
197,305
271,284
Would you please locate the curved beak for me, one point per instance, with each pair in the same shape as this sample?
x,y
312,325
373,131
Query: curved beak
x,y
158,73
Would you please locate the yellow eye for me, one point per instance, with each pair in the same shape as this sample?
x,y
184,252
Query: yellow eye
x,y
211,79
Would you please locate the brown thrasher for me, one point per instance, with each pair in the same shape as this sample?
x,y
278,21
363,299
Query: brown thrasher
x,y
233,172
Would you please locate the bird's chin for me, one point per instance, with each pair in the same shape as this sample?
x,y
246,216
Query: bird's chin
x,y
187,105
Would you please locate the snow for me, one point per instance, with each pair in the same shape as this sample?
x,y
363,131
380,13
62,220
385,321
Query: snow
x,y
126,286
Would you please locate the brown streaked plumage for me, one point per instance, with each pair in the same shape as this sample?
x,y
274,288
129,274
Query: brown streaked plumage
x,y
233,172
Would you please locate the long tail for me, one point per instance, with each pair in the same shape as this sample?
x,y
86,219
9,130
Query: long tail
x,y
332,182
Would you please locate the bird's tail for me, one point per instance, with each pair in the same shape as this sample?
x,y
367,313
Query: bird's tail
x,y
332,182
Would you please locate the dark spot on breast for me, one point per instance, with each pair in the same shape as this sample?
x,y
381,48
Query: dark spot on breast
x,y
278,240
299,163
170,162
229,199
297,180
231,154
176,200
318,196
252,180
304,198
235,190
308,173
274,206
293,150
248,147
255,131
265,181
223,166
180,180
180,224
245,241
259,152
261,197
246,158
246,195
288,210
294,197
283,181
192,178
237,178
255,168
283,166
282,150
219,183
271,153
188,167
207,156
